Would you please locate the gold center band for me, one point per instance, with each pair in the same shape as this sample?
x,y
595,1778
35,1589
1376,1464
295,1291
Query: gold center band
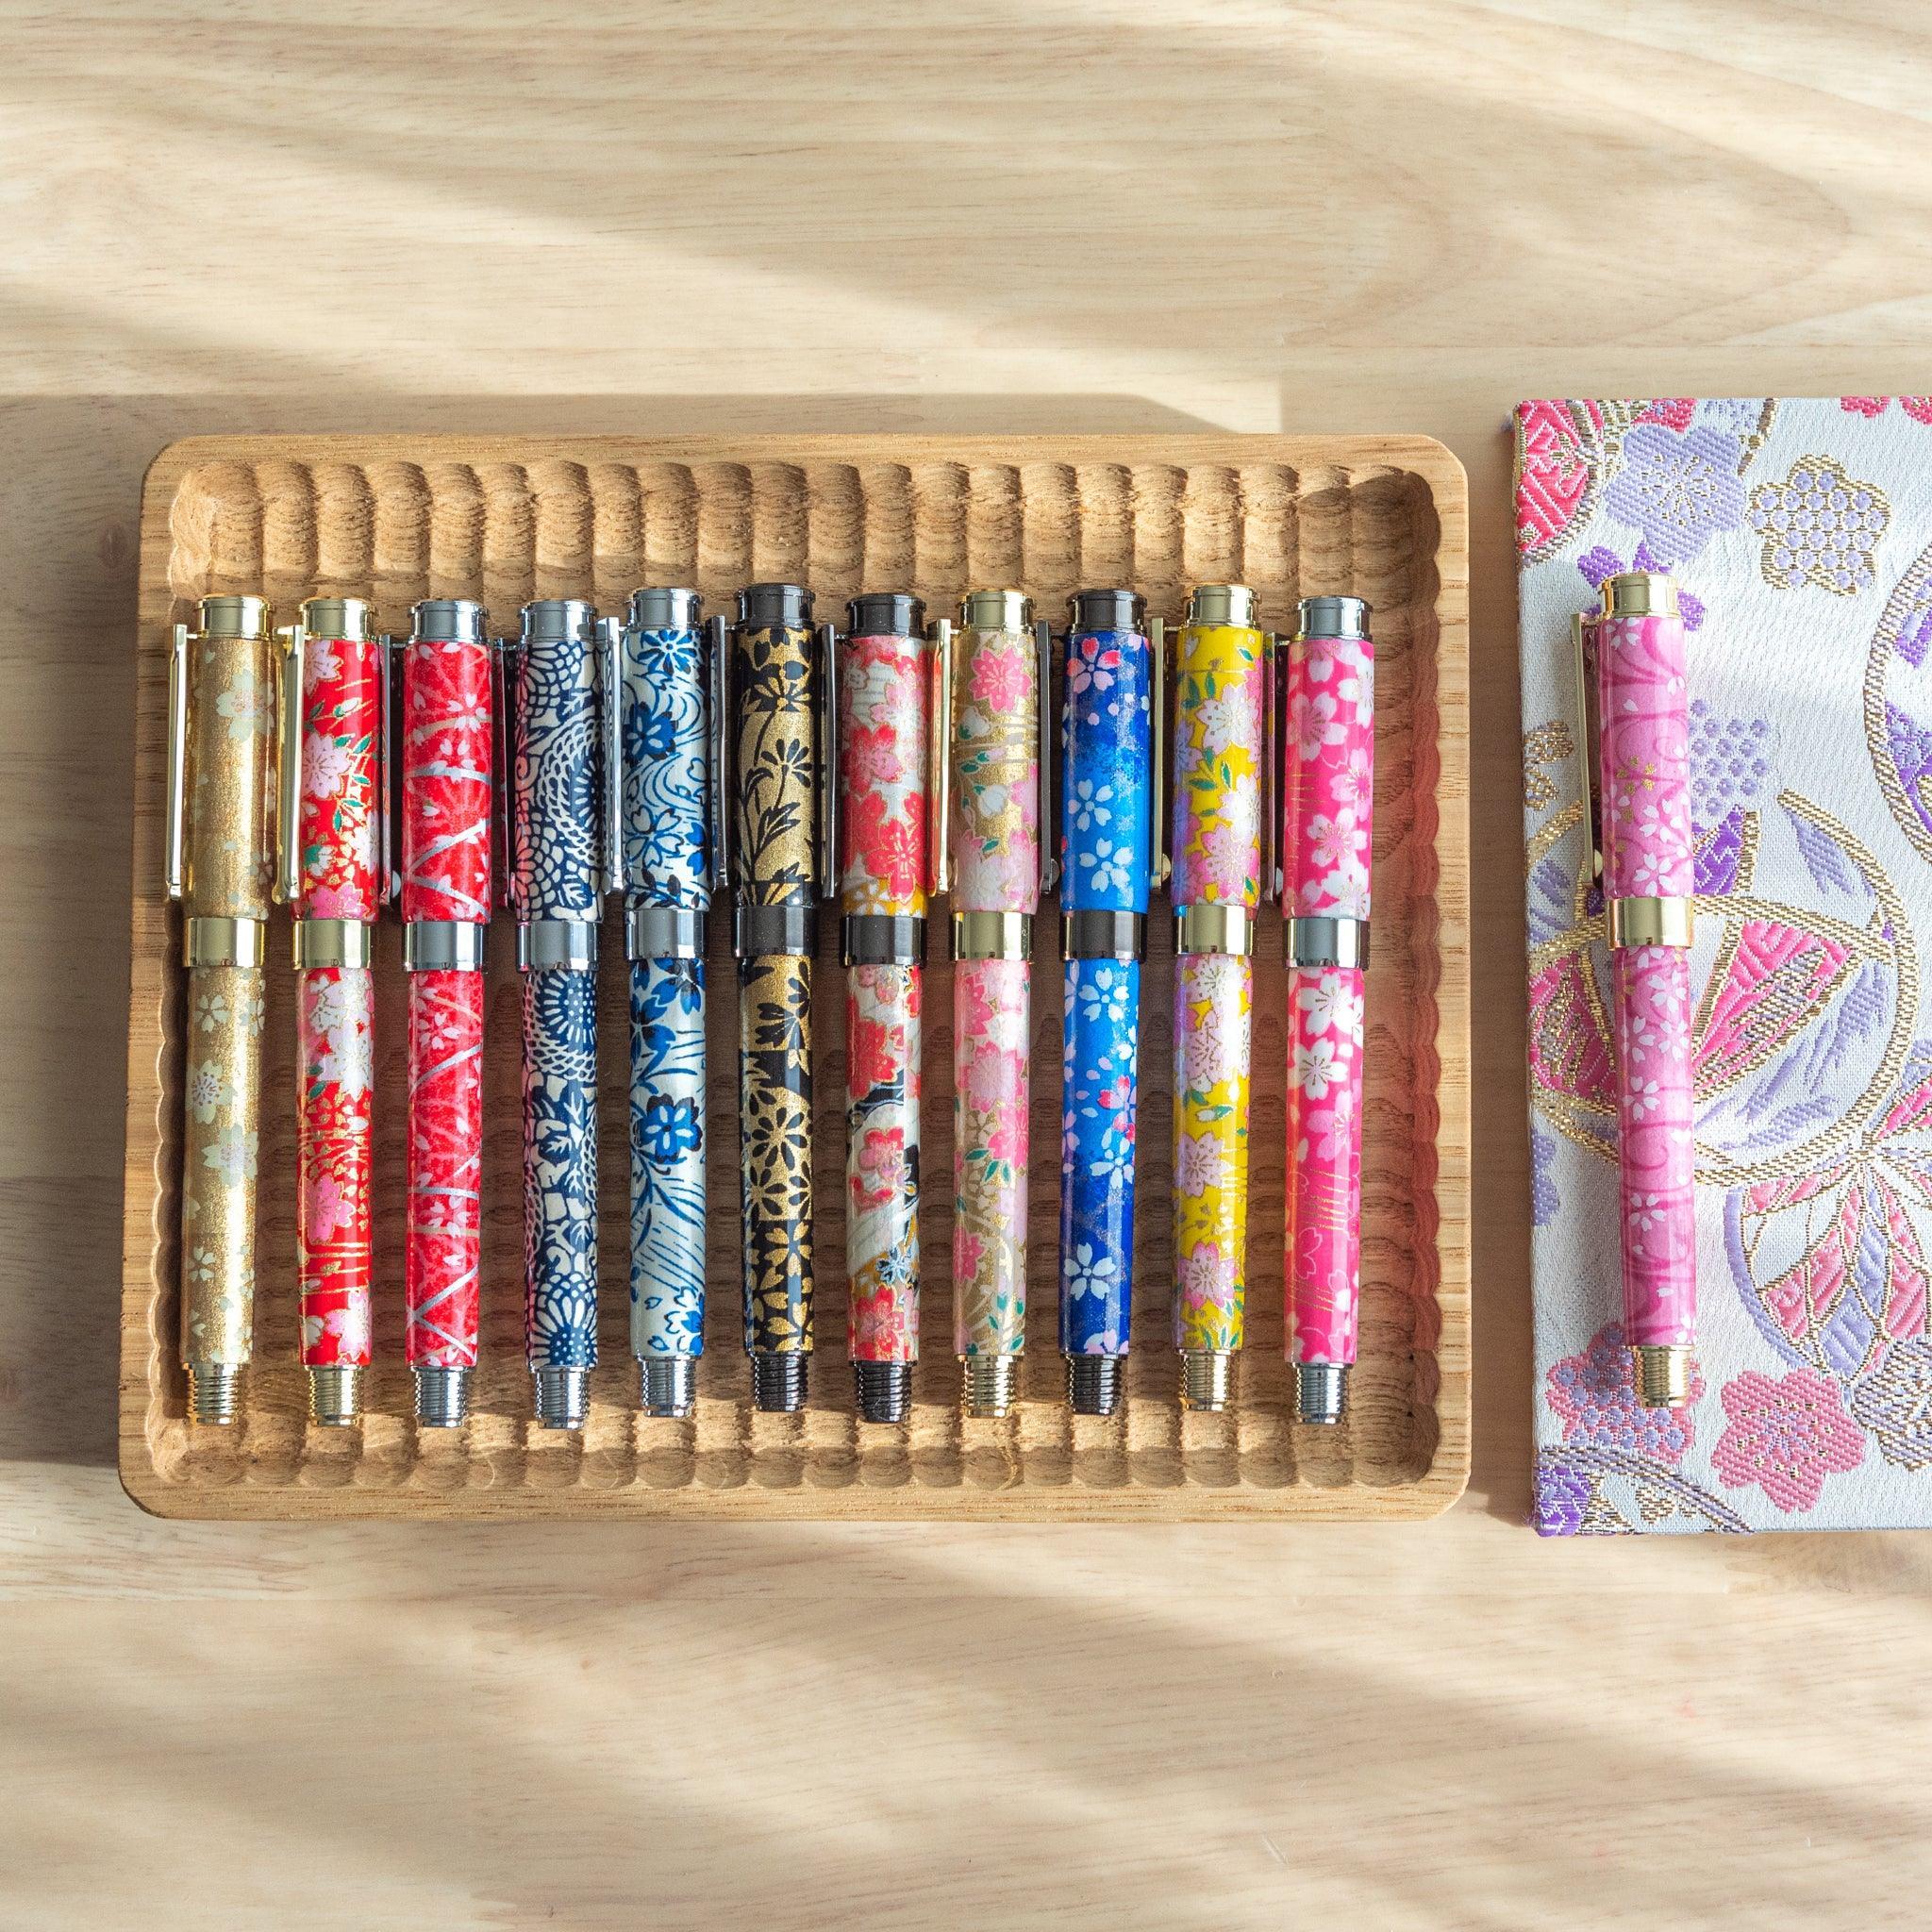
x,y
320,943
1650,922
993,934
223,941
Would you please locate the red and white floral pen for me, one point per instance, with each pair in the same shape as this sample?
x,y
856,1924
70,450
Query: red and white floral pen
x,y
1329,724
333,834
1636,763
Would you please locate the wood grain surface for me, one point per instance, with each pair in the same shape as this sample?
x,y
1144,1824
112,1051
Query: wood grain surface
x,y
505,519
999,215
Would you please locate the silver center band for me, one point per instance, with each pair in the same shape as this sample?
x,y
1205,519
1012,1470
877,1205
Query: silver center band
x,y
545,945
443,945
1326,943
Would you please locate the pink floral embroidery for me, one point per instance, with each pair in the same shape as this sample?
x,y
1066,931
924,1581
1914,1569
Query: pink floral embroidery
x,y
1594,1397
1785,1436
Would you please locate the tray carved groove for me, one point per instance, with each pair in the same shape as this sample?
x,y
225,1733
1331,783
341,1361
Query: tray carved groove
x,y
508,519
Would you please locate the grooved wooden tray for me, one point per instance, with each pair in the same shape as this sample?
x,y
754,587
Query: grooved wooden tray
x,y
506,519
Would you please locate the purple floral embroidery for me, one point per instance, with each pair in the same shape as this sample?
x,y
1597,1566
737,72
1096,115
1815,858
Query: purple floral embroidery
x,y
1545,1203
1595,565
1785,1436
1562,1497
1819,526
1895,1403
1595,1398
1679,491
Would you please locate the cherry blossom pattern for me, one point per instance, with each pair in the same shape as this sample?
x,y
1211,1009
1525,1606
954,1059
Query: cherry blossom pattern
x,y
1325,1146
218,1178
1787,1436
1214,998
992,1009
883,713
1329,794
1098,1121
882,1161
446,738
1592,1395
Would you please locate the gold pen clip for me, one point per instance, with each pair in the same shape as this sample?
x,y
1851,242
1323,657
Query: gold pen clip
x,y
175,859
1271,769
506,658
1588,735
718,713
1049,824
610,717
828,735
1157,774
939,798
288,833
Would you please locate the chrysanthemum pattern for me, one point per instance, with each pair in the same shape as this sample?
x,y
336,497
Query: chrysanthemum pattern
x,y
560,1168
882,1161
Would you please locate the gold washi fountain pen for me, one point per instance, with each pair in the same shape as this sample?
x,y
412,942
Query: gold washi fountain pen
x,y
221,867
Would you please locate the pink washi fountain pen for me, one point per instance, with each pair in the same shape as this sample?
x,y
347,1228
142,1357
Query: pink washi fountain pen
x,y
1328,804
1631,662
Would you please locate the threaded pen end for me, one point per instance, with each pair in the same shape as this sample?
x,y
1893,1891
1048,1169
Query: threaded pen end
x,y
562,1396
1206,1379
1321,1392
885,1391
335,1394
1093,1383
1663,1374
214,1393
778,1383
443,1398
667,1384
988,1386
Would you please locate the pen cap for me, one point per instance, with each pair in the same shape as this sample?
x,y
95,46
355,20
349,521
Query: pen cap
x,y
1328,721
995,750
556,821
666,751
775,773
1106,745
1220,750
338,816
1643,708
230,712
446,744
885,730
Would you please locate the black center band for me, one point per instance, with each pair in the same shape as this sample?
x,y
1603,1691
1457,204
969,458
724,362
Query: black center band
x,y
1096,935
882,938
761,932
665,932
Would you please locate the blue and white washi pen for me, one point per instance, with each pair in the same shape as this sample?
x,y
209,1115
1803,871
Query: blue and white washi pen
x,y
1111,860
556,881
664,813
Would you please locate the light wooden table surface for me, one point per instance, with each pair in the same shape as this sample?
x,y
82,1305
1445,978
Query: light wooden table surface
x,y
995,214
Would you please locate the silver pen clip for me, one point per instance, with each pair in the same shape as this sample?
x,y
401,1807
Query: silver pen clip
x,y
174,861
1271,767
828,773
389,772
506,656
288,839
1049,823
939,798
1157,774
1583,666
718,717
609,634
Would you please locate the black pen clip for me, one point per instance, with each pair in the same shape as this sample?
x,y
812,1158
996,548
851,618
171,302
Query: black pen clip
x,y
1049,819
826,735
505,664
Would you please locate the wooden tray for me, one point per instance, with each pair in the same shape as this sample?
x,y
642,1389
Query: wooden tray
x,y
508,519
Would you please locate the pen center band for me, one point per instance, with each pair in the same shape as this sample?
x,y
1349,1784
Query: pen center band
x,y
1228,929
993,934
552,945
443,945
1647,920
665,932
882,938
1328,942
223,941
1094,933
764,932
322,942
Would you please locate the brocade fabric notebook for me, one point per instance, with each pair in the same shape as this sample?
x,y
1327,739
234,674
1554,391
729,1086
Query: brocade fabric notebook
x,y
1800,534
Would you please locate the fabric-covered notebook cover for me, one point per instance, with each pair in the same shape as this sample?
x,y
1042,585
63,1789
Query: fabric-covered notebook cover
x,y
1800,534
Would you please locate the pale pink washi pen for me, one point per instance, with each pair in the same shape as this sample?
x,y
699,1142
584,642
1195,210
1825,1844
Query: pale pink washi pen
x,y
1328,801
1643,805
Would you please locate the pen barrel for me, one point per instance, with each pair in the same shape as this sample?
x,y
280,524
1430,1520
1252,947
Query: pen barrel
x,y
1098,1123
775,799
1221,673
995,829
445,742
991,1030
1648,854
1106,789
1325,1155
560,1167
443,1254
884,737
1328,800
218,1169
882,1085
335,1042
1212,1006
666,767
774,1103
667,1157
557,871
339,822
230,702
